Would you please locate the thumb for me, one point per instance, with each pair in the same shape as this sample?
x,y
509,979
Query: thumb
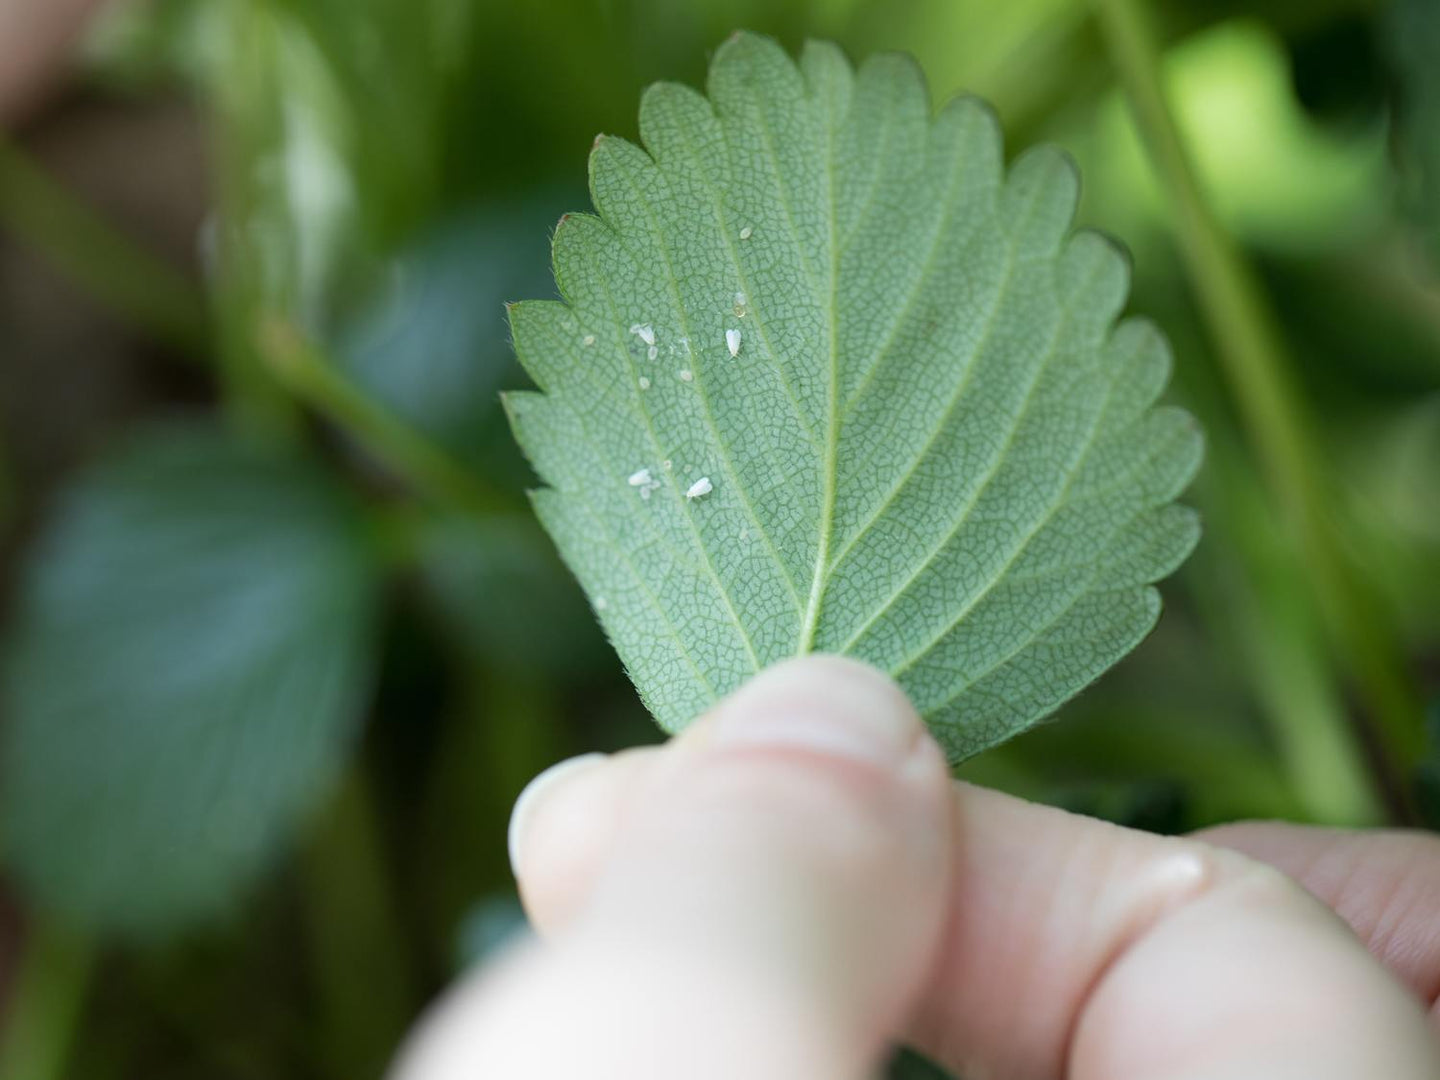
x,y
766,903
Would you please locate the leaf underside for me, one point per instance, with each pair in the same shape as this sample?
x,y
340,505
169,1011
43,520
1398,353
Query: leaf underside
x,y
935,450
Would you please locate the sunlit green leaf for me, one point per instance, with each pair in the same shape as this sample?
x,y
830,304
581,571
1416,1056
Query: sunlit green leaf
x,y
188,660
931,448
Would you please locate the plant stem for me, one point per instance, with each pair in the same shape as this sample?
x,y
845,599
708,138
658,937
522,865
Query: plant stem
x,y
1257,605
364,981
505,729
309,375
1255,364
240,91
8,493
111,266
45,1003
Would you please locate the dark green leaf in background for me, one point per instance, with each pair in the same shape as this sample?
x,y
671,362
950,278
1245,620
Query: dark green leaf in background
x,y
433,346
188,660
505,597
909,1065
1427,773
1414,43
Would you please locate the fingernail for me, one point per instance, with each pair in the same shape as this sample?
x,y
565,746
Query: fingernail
x,y
535,794
823,704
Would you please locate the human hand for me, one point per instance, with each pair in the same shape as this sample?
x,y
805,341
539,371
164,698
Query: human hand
x,y
794,883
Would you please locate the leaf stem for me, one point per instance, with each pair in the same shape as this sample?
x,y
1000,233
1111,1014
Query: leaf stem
x,y
45,1003
308,374
1254,361
111,266
1258,607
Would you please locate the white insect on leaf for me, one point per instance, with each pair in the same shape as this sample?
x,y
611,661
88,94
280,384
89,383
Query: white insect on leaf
x,y
686,375
645,332
732,341
746,233
653,353
740,307
645,482
644,382
588,340
700,487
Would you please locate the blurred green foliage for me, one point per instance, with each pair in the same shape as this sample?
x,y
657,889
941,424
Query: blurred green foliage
x,y
191,652
270,692
1412,36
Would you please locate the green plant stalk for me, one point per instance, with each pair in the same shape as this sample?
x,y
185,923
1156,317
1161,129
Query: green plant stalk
x,y
45,1003
1259,609
365,985
308,374
506,728
109,265
1307,715
1254,362
252,400
9,495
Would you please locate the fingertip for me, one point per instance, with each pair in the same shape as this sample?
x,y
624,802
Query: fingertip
x,y
786,861
795,716
796,840
537,794
564,826
829,705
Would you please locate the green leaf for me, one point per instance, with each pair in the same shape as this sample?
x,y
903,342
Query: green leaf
x,y
907,1064
504,597
934,450
1412,39
189,657
432,345
1427,772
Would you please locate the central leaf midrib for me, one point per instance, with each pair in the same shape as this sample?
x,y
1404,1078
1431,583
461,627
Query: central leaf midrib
x,y
832,412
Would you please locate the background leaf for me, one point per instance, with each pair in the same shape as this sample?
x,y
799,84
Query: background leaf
x,y
506,599
1427,773
433,346
826,378
188,660
906,1064
1413,39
